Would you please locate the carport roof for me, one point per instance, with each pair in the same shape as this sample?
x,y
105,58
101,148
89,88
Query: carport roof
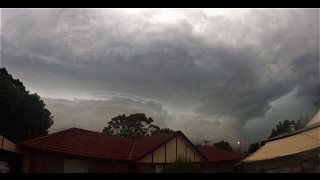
x,y
303,141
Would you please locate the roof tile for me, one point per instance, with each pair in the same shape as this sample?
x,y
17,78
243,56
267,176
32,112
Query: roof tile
x,y
81,142
85,143
215,154
75,141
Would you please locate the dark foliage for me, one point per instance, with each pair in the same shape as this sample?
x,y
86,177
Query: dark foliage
x,y
133,126
22,114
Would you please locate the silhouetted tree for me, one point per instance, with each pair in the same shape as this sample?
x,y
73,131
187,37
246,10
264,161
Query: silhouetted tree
x,y
253,147
285,127
281,128
223,145
133,126
22,114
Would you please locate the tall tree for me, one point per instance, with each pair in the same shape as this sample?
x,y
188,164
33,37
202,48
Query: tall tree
x,y
284,127
133,126
223,145
281,128
253,147
22,114
301,123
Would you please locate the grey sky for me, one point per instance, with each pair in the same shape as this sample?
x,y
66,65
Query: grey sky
x,y
214,74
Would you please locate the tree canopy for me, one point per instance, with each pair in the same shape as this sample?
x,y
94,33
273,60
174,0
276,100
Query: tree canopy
x,y
284,127
223,145
253,147
133,126
281,128
22,114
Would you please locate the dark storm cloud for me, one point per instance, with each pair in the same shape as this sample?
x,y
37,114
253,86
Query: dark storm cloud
x,y
244,94
221,70
95,114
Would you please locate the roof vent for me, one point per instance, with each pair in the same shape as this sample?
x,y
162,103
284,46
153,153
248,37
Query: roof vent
x,y
292,128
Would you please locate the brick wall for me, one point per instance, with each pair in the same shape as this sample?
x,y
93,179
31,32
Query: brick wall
x,y
41,163
142,168
213,167
44,163
114,167
107,167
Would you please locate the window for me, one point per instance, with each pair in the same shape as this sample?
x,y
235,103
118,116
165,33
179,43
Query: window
x,y
155,168
70,165
122,168
75,166
219,167
58,165
92,167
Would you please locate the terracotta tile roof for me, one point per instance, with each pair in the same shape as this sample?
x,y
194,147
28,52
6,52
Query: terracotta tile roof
x,y
214,154
84,143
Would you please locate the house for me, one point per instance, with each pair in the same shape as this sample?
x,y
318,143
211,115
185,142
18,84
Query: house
x,y
219,160
293,152
82,151
10,156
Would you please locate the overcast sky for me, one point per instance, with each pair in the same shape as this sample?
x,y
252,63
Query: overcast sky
x,y
214,74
